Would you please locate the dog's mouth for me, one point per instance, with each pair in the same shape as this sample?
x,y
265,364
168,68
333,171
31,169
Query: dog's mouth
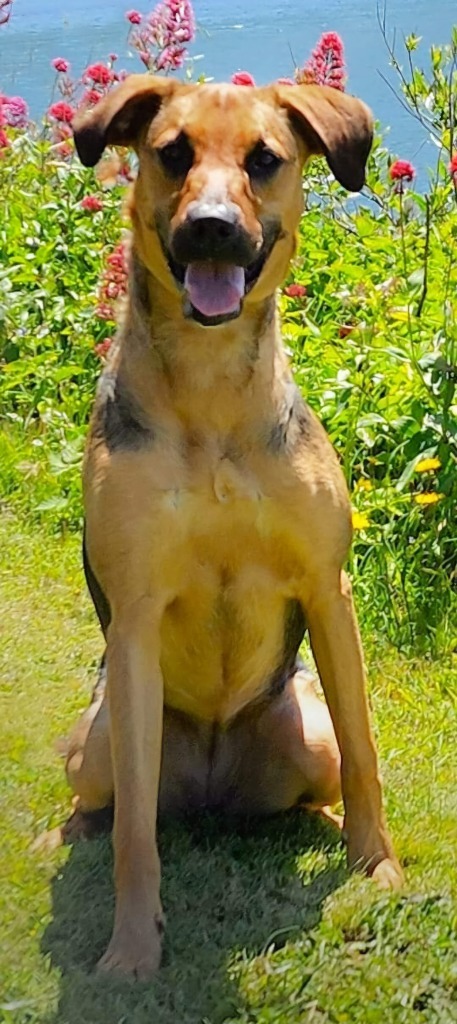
x,y
214,291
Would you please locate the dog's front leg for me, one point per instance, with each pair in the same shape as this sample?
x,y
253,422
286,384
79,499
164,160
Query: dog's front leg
x,y
336,646
135,695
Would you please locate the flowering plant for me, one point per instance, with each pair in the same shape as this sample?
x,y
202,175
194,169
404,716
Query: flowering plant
x,y
326,65
162,37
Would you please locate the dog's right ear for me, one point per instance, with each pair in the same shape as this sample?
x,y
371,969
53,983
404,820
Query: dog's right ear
x,y
119,116
333,124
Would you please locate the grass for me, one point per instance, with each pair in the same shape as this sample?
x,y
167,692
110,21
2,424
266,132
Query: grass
x,y
264,923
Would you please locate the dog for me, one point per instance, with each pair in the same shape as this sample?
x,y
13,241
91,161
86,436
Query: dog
x,y
217,517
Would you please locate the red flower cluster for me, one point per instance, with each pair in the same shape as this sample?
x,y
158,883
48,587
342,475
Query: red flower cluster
x,y
134,17
98,73
4,140
97,78
296,291
90,98
401,170
453,167
326,65
61,115
60,64
103,347
91,203
65,149
114,282
61,112
242,78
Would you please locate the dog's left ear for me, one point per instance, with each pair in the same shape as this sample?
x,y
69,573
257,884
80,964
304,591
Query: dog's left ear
x,y
333,125
119,117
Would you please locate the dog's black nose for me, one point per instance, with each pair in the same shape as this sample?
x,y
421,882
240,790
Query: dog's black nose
x,y
212,231
213,225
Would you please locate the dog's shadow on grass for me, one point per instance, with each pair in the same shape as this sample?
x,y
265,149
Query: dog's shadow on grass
x,y
226,887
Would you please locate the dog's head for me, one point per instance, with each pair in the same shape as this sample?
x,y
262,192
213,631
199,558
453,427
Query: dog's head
x,y
219,194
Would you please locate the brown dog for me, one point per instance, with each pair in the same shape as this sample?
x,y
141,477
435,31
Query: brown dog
x,y
217,518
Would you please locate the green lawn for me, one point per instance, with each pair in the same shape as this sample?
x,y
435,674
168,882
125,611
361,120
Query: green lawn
x,y
264,924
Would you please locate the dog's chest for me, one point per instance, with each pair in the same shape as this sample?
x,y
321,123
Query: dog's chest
x,y
222,509
217,488
223,636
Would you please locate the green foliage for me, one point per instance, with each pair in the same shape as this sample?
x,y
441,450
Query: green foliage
x,y
373,344
51,256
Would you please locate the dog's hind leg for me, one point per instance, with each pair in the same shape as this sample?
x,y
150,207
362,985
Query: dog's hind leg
x,y
281,754
88,763
90,775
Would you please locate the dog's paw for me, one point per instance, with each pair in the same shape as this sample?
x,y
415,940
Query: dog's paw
x,y
48,841
80,825
134,954
388,874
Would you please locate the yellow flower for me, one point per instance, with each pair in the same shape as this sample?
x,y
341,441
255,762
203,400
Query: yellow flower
x,y
427,499
424,465
360,520
363,485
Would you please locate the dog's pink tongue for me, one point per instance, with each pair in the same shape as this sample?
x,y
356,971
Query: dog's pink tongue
x,y
214,289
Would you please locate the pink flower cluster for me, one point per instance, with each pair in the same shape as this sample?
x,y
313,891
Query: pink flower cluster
x,y
401,170
96,80
15,111
60,115
296,291
161,41
453,168
61,65
92,204
113,284
103,347
13,114
134,17
98,74
62,112
326,65
242,78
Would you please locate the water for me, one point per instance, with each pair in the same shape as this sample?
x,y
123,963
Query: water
x,y
262,36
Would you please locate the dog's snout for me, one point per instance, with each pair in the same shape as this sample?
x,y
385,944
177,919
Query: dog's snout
x,y
225,214
212,226
212,231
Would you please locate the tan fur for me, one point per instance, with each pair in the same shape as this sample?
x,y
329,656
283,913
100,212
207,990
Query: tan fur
x,y
199,538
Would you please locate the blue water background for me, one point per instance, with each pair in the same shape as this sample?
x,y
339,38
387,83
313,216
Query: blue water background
x,y
262,36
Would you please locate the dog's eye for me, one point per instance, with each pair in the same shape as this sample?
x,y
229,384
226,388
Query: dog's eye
x,y
262,163
177,157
